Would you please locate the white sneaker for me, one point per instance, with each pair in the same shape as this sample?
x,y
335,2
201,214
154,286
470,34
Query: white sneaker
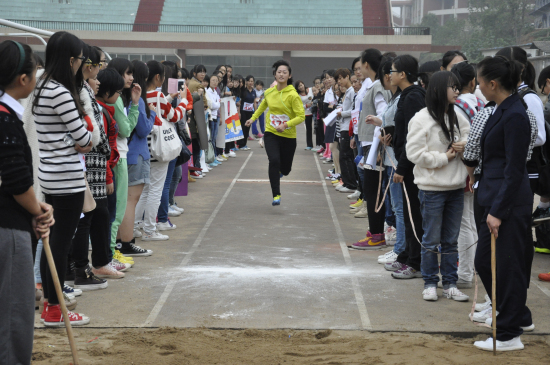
x,y
455,294
165,226
388,257
137,233
175,207
155,236
391,234
172,212
512,345
220,159
531,328
430,294
482,316
205,170
261,142
232,154
343,189
355,195
482,306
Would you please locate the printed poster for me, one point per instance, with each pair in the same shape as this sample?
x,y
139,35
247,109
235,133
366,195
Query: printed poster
x,y
230,115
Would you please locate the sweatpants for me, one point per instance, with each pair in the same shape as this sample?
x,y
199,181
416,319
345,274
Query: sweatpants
x,y
412,254
514,256
347,163
280,153
371,188
66,212
94,227
467,238
17,293
121,187
309,131
149,201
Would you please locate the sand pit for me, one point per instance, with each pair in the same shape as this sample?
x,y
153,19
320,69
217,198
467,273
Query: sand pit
x,y
171,346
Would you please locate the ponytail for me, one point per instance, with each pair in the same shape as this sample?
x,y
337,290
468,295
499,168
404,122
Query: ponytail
x,y
499,68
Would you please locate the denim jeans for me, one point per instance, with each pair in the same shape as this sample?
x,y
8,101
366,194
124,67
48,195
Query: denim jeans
x,y
441,218
162,214
390,216
214,132
176,177
397,207
261,124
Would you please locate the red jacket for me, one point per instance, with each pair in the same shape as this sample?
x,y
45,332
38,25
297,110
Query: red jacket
x,y
112,132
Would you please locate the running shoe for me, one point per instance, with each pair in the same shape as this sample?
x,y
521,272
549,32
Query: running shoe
x,y
245,148
176,208
388,257
276,200
346,190
393,266
355,195
232,154
406,272
173,212
165,226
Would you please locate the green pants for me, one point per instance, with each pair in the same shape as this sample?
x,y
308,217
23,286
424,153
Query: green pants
x,y
121,185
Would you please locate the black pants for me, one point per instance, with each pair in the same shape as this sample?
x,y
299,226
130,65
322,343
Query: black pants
x,y
66,212
320,133
94,227
196,152
347,165
280,153
309,131
514,256
229,146
370,191
246,130
412,254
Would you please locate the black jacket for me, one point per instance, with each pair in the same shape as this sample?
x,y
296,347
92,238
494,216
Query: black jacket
x,y
412,100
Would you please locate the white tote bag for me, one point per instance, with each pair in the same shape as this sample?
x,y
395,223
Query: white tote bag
x,y
165,142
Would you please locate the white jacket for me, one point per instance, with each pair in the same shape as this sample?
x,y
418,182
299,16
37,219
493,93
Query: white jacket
x,y
426,148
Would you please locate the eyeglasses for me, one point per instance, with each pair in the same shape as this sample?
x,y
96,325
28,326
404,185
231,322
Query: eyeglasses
x,y
119,92
82,58
454,88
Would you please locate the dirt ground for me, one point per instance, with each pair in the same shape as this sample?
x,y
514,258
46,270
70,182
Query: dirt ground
x,y
171,346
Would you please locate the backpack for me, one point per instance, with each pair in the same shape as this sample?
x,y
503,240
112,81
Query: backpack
x,y
465,107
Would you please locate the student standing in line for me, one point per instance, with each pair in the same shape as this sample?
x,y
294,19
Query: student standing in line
x,y
214,108
258,129
451,58
62,136
286,111
307,98
22,215
404,74
248,106
126,115
196,89
505,192
435,142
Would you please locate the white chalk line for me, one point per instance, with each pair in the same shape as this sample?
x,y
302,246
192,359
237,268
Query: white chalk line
x,y
361,306
172,283
542,288
283,181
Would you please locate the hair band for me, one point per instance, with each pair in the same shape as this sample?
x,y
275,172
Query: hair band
x,y
21,57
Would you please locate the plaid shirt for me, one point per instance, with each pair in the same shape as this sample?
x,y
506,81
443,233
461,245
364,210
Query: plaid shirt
x,y
472,151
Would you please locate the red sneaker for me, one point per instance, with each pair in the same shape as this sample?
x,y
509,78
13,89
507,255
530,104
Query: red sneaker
x,y
544,277
44,311
54,318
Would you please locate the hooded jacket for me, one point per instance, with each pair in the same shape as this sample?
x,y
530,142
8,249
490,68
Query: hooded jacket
x,y
284,104
412,100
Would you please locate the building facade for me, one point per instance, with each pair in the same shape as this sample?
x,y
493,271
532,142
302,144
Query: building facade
x,y
411,12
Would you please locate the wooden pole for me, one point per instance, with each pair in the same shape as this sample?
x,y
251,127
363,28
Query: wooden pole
x,y
59,291
494,291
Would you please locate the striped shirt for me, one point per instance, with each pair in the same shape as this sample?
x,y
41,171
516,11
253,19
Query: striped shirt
x,y
167,112
56,115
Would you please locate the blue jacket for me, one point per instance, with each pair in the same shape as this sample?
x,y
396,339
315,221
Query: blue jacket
x,y
504,182
138,144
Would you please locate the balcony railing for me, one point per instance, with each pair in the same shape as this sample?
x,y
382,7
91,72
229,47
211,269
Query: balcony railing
x,y
541,3
222,29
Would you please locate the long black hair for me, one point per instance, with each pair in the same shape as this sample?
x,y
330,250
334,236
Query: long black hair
x,y
437,101
373,57
13,65
449,56
141,74
171,72
464,73
61,47
385,69
123,66
426,70
110,82
237,90
518,54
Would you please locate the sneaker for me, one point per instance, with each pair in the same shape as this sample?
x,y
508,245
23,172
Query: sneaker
x,y
260,135
196,175
531,328
308,148
316,149
245,148
276,200
364,212
544,277
119,266
375,242
463,284
540,215
355,195
393,266
391,234
430,294
339,187
175,207
388,257
173,213
261,142
346,190
54,318
154,236
43,310
330,160
121,258
512,345
406,272
234,149
137,233
69,274
482,316
482,306
250,138
130,249
107,272
220,158
70,302
455,294
70,291
165,226
232,154
357,204
86,280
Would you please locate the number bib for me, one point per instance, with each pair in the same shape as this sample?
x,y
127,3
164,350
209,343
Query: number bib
x,y
355,117
248,107
277,120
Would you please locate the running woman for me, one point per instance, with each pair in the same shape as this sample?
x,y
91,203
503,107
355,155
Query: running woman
x,y
286,111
